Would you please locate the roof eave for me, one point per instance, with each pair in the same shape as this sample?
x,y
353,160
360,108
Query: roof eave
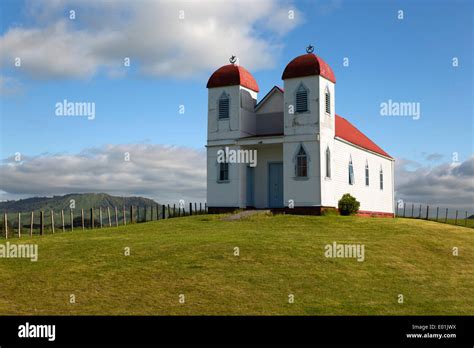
x,y
365,149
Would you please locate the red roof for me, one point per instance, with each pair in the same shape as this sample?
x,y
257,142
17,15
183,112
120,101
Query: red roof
x,y
307,65
232,75
346,130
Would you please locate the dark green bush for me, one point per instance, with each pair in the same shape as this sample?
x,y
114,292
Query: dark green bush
x,y
348,205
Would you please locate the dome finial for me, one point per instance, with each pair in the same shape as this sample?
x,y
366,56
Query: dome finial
x,y
232,59
310,49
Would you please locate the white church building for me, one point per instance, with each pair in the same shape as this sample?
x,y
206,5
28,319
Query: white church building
x,y
307,157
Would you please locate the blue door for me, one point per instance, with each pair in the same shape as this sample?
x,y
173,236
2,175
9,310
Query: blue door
x,y
275,185
250,186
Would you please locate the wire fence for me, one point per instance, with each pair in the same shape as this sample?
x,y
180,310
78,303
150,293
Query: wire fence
x,y
435,213
53,221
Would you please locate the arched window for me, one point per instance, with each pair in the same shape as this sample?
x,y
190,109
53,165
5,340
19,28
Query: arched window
x,y
381,178
301,163
224,104
328,101
328,163
351,172
301,99
366,173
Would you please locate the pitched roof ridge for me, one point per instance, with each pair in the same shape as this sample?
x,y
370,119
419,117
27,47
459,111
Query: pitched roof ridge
x,y
268,94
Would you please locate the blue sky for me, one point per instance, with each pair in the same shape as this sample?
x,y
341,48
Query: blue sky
x,y
408,60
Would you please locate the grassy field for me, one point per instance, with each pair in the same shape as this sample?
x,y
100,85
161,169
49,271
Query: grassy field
x,y
459,222
279,255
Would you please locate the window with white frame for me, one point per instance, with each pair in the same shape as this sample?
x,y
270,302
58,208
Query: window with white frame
x,y
328,101
328,163
301,163
224,171
301,99
224,105
366,174
351,172
381,178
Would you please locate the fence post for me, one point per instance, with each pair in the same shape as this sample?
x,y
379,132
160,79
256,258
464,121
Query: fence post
x,y
437,211
151,212
157,212
168,210
116,217
32,221
19,225
124,217
205,207
108,214
100,217
427,209
145,214
174,210
62,220
419,214
200,208
52,221
163,211
92,218
131,214
82,218
195,208
42,223
190,208
71,215
446,218
5,220
456,221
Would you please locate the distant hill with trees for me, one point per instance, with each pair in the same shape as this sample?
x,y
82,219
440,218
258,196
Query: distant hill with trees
x,y
73,200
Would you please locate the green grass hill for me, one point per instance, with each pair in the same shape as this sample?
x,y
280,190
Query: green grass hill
x,y
193,259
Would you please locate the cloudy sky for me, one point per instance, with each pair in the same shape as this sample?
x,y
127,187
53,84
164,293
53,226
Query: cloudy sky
x,y
140,143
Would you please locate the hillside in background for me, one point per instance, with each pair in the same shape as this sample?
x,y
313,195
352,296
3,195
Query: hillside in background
x,y
82,201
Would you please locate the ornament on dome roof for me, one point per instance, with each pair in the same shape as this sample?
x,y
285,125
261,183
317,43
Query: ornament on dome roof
x,y
310,49
232,59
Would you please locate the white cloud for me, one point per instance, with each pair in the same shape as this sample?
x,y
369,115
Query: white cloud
x,y
150,33
165,173
446,185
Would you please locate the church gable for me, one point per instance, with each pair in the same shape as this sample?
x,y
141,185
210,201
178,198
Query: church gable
x,y
272,102
269,113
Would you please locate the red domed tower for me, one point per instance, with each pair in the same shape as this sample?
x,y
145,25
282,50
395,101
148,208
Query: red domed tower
x,y
232,75
307,65
232,98
309,124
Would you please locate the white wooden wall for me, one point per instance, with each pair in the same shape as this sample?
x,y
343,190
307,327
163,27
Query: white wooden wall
x,y
371,198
